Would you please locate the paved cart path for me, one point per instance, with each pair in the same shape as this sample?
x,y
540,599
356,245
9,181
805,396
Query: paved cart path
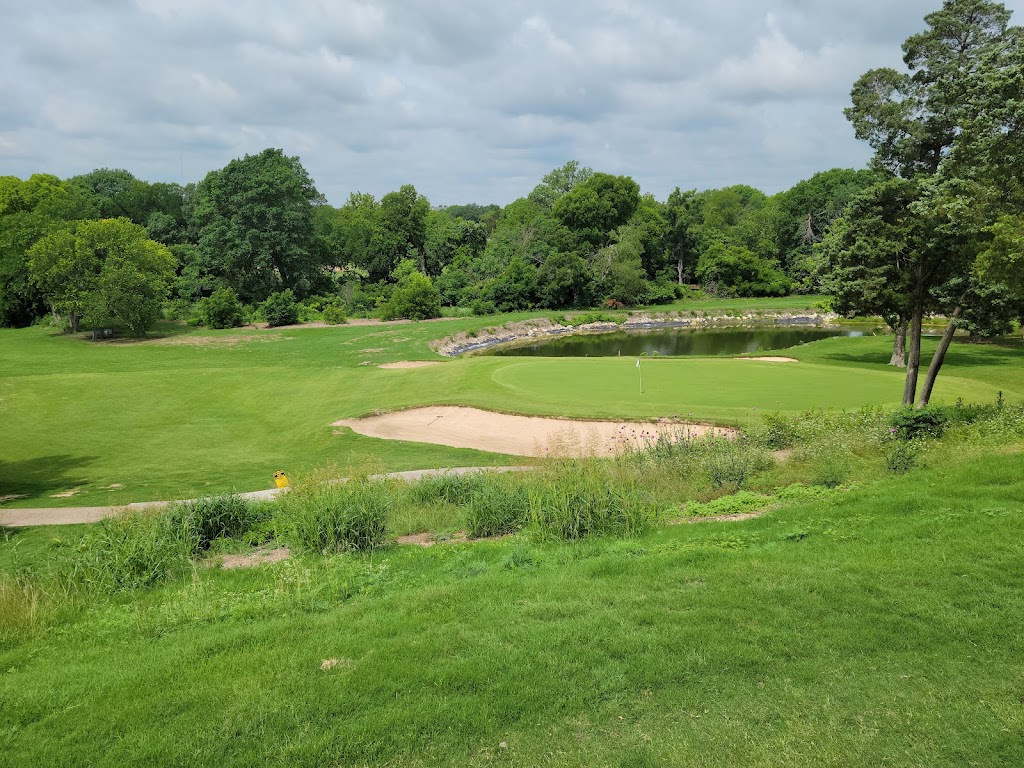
x,y
16,518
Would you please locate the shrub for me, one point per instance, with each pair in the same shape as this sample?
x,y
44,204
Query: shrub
x,y
830,470
777,432
483,307
901,457
334,313
280,309
222,309
912,424
335,517
414,297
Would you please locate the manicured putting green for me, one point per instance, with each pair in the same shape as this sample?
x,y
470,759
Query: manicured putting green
x,y
711,385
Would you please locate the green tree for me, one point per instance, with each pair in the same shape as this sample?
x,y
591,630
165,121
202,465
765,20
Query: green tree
x,y
414,295
595,208
740,272
400,232
946,123
103,272
560,182
29,210
256,225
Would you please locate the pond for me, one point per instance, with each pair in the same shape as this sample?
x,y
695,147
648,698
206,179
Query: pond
x,y
678,342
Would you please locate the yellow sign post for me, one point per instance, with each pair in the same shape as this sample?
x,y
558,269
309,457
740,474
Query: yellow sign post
x,y
281,479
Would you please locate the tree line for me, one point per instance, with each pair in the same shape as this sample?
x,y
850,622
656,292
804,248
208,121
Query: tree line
x,y
934,225
259,227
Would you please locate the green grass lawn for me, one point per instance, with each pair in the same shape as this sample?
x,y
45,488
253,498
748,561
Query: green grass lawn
x,y
883,628
200,412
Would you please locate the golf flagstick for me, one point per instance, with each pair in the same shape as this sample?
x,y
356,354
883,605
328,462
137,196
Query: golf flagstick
x,y
640,373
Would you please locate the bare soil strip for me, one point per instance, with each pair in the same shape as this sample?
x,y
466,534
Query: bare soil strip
x,y
770,359
409,364
536,436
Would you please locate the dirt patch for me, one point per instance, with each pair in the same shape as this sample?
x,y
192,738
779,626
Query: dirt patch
x,y
189,340
65,494
770,359
459,427
257,558
12,497
114,486
727,518
425,539
409,364
371,350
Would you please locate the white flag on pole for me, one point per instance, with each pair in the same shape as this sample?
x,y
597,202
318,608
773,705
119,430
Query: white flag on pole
x,y
638,362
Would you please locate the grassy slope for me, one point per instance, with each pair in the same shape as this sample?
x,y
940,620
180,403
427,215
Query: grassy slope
x,y
884,630
171,420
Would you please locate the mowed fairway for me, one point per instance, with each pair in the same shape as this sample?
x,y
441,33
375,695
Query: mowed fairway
x,y
200,412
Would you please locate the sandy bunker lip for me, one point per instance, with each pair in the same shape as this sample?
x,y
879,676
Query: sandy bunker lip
x,y
460,427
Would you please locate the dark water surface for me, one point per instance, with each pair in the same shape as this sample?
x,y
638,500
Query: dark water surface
x,y
677,341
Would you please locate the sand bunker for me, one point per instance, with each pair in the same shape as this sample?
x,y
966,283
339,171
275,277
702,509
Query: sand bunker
x,y
770,359
410,364
519,435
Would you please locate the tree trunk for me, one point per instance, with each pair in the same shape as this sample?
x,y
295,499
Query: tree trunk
x,y
73,322
914,354
938,358
679,271
899,345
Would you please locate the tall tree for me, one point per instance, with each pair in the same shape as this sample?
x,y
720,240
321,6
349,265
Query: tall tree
x,y
256,219
401,232
924,125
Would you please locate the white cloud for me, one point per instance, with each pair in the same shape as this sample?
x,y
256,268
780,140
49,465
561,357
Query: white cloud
x,y
469,101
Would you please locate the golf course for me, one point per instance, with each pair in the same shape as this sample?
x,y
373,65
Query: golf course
x,y
194,411
849,595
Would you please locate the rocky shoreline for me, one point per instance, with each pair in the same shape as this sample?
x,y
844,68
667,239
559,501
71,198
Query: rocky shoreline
x,y
542,328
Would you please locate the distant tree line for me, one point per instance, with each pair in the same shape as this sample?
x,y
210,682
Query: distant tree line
x,y
106,249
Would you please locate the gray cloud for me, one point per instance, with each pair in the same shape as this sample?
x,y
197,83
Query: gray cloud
x,y
467,101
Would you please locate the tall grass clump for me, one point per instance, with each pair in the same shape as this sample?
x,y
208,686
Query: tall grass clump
x,y
222,517
324,516
573,500
446,488
499,504
23,606
129,551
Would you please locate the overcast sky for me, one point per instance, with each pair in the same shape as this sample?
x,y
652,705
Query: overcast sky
x,y
471,101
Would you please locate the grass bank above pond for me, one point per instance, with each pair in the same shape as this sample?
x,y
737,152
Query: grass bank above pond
x,y
883,628
200,412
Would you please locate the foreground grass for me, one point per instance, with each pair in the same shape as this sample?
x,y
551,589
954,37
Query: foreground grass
x,y
882,629
201,412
